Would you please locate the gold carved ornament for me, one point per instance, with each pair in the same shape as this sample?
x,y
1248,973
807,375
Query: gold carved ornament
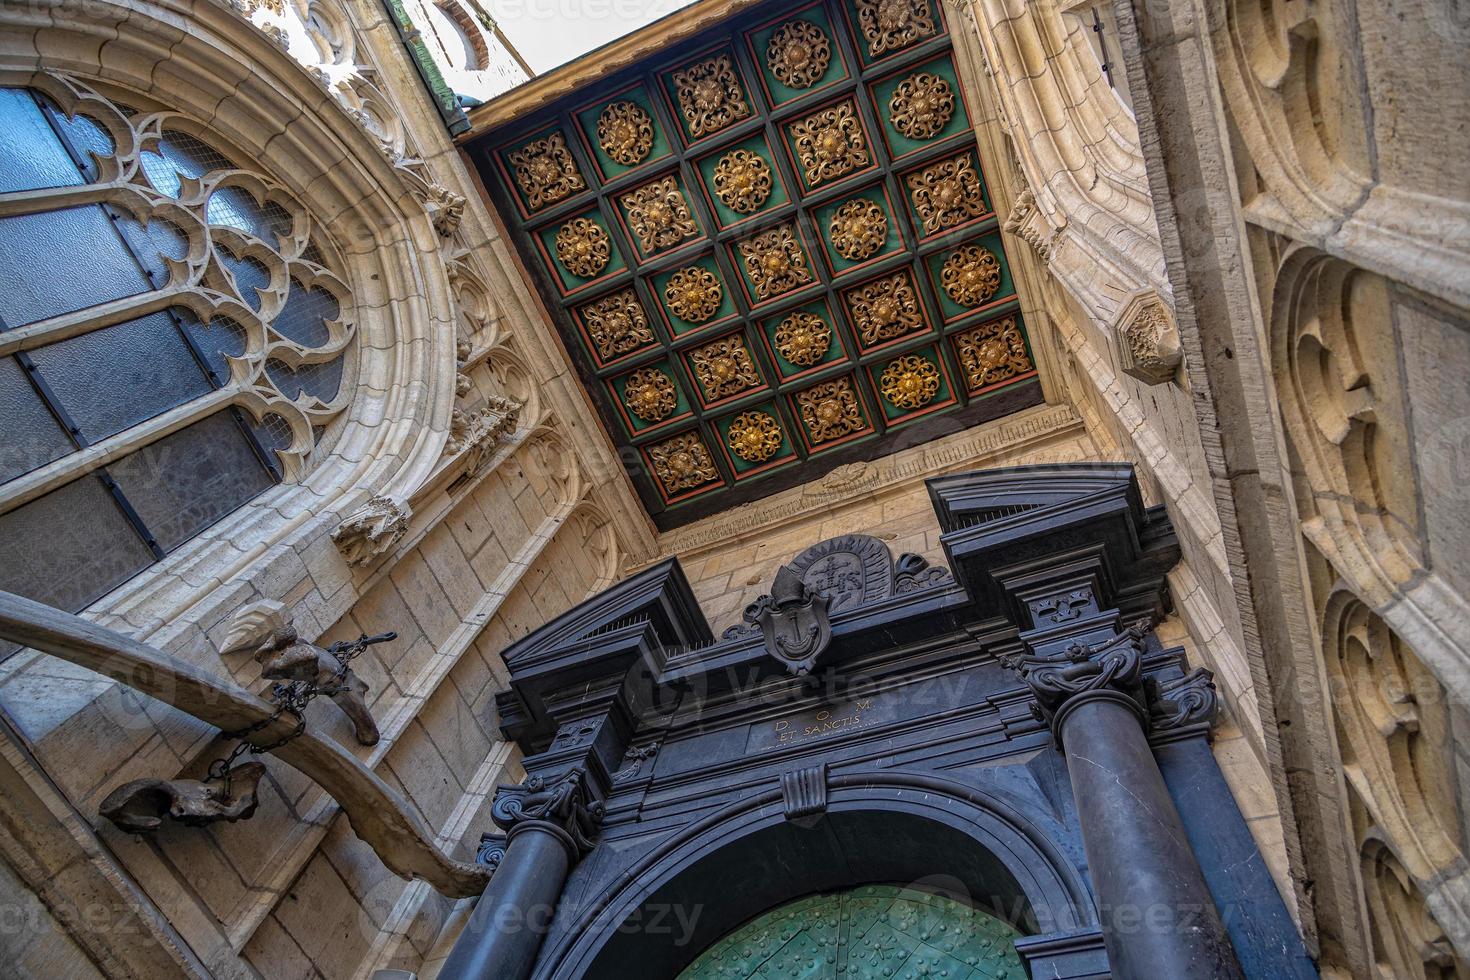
x,y
582,247
650,394
658,215
946,194
910,381
830,410
693,294
803,338
709,96
742,181
992,352
617,324
545,171
970,275
888,25
682,463
775,262
921,106
724,367
754,437
885,308
625,132
798,54
830,143
858,229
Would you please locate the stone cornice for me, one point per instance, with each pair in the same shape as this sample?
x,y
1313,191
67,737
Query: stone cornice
x,y
970,450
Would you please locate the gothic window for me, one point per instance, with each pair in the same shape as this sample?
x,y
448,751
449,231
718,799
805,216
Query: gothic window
x,y
173,340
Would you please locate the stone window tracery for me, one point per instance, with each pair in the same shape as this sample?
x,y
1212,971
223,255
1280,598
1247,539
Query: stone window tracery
x,y
173,341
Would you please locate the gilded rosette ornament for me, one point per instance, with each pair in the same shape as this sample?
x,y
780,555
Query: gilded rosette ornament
x,y
947,193
709,96
970,275
693,294
830,143
992,352
775,262
682,463
649,394
617,324
858,229
830,410
582,247
724,367
803,338
659,215
910,381
754,437
921,106
625,132
888,25
742,181
545,171
885,308
798,54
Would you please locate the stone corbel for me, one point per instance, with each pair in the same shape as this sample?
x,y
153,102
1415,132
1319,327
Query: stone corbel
x,y
1026,221
372,529
475,434
1147,339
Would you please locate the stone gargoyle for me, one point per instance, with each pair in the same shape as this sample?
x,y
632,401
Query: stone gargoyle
x,y
284,656
140,806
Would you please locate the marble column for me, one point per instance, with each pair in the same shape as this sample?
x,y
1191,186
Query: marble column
x,y
1158,916
549,825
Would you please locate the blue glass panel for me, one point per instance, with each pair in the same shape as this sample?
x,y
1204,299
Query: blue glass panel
x,y
112,378
250,275
216,339
40,255
180,153
321,381
186,481
234,208
69,547
301,318
87,136
33,437
151,242
30,154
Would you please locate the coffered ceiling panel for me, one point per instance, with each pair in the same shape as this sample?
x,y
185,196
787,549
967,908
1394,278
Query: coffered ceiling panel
x,y
770,249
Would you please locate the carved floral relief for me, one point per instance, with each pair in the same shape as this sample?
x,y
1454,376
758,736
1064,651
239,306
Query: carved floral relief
x,y
921,106
682,463
858,229
970,275
992,352
910,381
830,143
625,132
885,308
709,95
582,247
693,294
649,394
754,436
798,54
545,171
888,25
724,367
775,262
617,324
803,338
658,215
742,181
946,194
830,410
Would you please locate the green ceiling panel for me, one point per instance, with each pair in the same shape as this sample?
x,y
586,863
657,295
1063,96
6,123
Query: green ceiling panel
x,y
911,384
755,439
659,271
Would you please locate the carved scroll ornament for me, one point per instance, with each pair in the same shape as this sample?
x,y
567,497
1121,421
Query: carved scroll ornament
x,y
563,803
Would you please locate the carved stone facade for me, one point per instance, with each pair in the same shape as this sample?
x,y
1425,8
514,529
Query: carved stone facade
x,y
1243,270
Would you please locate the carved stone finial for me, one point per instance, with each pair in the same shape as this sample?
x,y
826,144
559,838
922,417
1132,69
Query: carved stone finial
x,y
140,806
372,529
564,805
793,620
1148,340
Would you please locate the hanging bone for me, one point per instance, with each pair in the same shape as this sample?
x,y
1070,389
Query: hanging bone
x,y
284,656
139,807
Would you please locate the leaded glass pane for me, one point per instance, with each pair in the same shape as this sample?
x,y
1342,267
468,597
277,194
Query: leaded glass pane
x,y
249,274
272,432
235,208
41,256
152,242
30,154
187,481
70,547
320,381
216,339
116,377
88,137
33,437
180,153
301,319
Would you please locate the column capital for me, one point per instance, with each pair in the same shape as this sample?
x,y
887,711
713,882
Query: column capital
x,y
563,806
1110,670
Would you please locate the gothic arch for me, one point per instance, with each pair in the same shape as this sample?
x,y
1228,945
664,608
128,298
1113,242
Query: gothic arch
x,y
989,854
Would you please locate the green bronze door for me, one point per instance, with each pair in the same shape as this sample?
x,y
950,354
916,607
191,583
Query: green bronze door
x,y
876,932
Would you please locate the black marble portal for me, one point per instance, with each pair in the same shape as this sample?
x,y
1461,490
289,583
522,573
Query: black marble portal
x,y
724,781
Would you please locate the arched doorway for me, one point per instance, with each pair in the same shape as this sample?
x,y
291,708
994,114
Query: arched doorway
x,y
869,931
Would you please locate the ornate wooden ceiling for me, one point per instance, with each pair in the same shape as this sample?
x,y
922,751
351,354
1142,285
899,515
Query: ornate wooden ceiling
x,y
770,250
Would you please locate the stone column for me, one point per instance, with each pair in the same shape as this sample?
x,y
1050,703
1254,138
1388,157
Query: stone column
x,y
549,825
1158,916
